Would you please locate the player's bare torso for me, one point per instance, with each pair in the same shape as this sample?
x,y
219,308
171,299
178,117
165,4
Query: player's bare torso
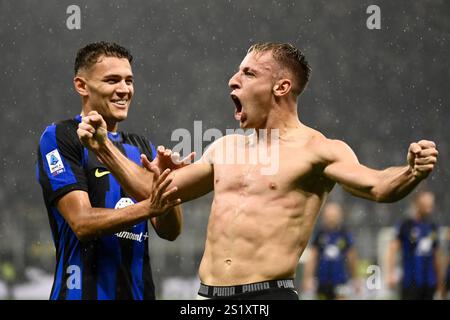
x,y
260,223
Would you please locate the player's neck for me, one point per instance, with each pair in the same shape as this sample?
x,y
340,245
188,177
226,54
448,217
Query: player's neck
x,y
112,127
282,120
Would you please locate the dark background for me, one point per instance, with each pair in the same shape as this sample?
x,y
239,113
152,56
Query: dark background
x,y
378,90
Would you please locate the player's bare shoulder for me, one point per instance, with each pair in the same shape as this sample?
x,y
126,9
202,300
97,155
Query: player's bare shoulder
x,y
325,150
311,148
217,151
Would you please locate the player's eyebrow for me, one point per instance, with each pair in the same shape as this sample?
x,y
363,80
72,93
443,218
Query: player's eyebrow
x,y
116,76
251,69
247,68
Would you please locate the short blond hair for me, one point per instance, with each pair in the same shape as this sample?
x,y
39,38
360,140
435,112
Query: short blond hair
x,y
290,58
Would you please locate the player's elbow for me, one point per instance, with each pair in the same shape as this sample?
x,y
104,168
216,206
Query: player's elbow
x,y
386,198
380,195
382,198
82,231
169,233
170,236
82,235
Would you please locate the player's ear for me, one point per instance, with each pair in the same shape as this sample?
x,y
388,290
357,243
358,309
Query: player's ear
x,y
282,87
80,85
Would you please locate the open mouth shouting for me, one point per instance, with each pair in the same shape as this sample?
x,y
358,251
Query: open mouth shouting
x,y
238,114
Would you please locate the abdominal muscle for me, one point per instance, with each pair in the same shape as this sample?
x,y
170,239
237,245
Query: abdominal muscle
x,y
254,238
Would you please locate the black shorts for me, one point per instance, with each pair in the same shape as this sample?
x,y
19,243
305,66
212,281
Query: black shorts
x,y
265,290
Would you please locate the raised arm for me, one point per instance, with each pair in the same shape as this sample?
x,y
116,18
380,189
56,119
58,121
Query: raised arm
x,y
133,178
386,185
137,181
191,181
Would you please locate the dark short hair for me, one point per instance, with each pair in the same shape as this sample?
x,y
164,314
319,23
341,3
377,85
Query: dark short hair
x,y
88,55
289,57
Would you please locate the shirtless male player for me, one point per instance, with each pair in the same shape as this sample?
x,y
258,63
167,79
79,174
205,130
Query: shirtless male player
x,y
260,224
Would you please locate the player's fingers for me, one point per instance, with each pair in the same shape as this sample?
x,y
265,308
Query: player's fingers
x,y
83,131
160,150
162,186
167,153
162,177
101,131
427,160
162,189
167,194
175,158
427,144
84,135
145,162
97,119
415,148
91,117
428,152
86,119
424,168
94,119
189,159
172,204
86,127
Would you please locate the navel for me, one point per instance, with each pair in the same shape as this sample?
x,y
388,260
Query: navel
x,y
272,185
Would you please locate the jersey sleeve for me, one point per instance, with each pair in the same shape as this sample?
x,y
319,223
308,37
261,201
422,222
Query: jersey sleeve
x,y
149,148
60,162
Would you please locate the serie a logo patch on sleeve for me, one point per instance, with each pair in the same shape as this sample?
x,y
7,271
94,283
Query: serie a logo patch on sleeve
x,y
55,163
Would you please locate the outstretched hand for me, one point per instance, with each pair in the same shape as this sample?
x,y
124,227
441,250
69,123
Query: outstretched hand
x,y
159,199
92,131
166,159
422,156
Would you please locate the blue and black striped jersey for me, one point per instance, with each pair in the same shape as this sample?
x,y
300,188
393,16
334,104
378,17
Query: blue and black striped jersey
x,y
419,241
108,267
332,247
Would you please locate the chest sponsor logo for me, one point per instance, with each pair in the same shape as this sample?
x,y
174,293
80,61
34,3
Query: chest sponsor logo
x,y
122,203
139,237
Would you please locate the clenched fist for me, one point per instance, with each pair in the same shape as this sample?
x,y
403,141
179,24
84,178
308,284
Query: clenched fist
x,y
422,157
92,131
